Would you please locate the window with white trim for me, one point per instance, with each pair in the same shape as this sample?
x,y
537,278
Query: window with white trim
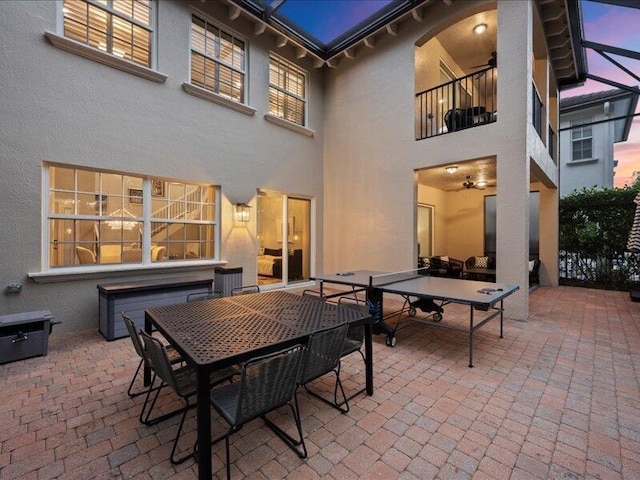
x,y
287,90
123,28
582,143
98,218
217,60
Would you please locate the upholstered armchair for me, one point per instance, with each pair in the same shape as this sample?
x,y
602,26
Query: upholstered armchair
x,y
444,266
534,272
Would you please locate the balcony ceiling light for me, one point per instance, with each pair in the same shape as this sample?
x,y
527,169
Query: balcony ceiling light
x,y
480,28
452,169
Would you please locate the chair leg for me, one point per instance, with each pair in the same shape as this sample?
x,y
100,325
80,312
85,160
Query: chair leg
x,y
135,375
335,404
144,418
226,445
354,394
182,459
345,400
291,442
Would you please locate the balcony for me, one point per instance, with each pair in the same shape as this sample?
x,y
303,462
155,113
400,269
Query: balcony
x,y
466,102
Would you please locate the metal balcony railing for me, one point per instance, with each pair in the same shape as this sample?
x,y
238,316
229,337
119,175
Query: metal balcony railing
x,y
466,102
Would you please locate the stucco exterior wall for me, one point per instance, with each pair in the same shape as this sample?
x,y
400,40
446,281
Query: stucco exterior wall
x,y
370,152
60,107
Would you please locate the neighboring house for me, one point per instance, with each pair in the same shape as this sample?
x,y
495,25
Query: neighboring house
x,y
143,139
587,139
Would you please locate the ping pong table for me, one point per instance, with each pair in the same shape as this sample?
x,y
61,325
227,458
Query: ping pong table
x,y
479,296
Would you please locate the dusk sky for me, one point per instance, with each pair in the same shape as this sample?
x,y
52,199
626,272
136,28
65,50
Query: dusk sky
x,y
618,27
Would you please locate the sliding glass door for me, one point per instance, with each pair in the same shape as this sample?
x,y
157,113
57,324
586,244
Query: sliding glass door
x,y
284,239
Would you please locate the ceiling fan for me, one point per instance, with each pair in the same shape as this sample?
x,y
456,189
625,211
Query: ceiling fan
x,y
468,185
492,62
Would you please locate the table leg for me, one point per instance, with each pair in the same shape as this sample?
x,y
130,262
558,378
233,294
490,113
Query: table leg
x,y
501,313
204,425
470,336
148,328
368,350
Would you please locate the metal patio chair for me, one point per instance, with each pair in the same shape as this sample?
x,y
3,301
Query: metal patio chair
x,y
322,356
266,383
181,380
194,297
174,356
245,290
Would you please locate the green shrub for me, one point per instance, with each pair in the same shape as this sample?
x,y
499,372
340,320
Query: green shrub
x,y
594,229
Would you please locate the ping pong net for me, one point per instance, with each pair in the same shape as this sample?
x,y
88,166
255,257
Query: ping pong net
x,y
393,277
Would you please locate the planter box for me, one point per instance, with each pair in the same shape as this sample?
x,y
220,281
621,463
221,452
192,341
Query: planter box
x,y
135,297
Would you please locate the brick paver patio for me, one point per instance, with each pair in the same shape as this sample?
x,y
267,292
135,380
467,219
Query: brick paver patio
x,y
558,397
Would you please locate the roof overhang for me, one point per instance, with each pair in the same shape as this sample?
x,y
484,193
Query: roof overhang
x,y
562,23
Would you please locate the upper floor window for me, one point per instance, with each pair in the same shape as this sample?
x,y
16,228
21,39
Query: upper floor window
x,y
287,90
98,217
582,142
123,28
217,60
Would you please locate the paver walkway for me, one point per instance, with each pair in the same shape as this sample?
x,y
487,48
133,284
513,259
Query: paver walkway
x,y
558,397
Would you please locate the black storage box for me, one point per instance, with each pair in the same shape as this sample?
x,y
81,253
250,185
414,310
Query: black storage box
x,y
24,335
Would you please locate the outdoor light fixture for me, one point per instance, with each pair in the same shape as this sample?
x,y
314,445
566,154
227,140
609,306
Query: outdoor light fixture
x,y
452,169
242,213
480,28
481,184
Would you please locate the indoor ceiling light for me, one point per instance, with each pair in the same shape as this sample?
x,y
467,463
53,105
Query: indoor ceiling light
x,y
480,28
452,169
482,184
123,221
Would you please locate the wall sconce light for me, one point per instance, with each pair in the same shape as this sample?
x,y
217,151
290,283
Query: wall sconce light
x,y
242,213
452,169
481,184
480,28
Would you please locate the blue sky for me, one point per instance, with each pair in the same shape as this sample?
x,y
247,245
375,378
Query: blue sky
x,y
328,19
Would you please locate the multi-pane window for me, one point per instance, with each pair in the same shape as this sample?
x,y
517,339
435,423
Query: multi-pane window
x,y
123,28
287,90
97,217
582,143
217,60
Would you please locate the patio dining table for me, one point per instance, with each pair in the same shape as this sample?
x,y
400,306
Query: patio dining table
x,y
218,333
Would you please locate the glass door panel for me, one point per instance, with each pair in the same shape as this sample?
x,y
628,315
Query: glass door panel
x,y
284,239
298,238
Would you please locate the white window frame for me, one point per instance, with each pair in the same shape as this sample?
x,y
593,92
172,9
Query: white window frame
x,y
234,36
305,101
48,273
70,45
582,138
